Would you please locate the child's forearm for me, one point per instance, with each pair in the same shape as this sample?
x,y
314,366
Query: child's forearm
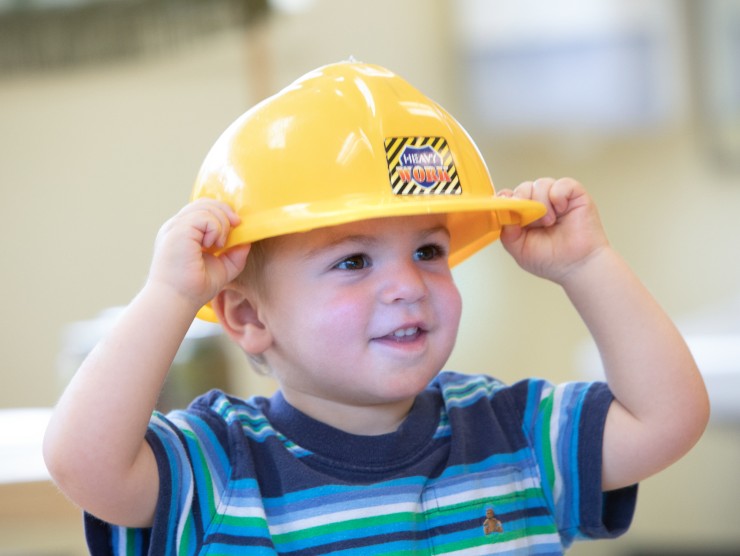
x,y
661,404
94,446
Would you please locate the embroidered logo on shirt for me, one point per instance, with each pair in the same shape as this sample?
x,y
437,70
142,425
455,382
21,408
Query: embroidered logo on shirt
x,y
491,524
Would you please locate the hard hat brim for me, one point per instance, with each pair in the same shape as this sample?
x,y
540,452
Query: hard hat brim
x,y
488,215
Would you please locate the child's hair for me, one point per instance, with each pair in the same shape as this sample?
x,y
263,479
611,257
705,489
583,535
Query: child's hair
x,y
252,276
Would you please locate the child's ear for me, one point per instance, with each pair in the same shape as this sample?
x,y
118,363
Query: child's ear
x,y
240,319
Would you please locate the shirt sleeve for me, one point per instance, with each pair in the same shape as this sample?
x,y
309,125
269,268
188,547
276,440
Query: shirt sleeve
x,y
192,471
565,424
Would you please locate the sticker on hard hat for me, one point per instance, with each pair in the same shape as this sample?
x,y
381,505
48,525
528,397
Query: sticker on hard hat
x,y
421,166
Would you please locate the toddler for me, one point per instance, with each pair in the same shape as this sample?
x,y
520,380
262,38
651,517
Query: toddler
x,y
321,233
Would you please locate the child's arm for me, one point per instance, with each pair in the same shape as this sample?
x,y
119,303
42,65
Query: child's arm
x,y
661,406
94,446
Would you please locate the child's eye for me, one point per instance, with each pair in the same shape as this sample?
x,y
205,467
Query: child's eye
x,y
429,252
353,262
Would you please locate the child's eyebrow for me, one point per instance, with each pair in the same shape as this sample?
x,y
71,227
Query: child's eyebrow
x,y
333,241
366,240
433,230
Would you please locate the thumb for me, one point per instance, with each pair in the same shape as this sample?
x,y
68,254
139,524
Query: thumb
x,y
235,259
510,235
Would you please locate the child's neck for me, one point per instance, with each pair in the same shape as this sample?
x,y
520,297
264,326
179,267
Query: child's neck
x,y
365,420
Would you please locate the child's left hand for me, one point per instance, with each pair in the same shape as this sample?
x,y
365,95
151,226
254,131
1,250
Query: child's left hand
x,y
660,406
567,236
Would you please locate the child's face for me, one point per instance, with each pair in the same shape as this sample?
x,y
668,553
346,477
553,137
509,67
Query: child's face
x,y
362,313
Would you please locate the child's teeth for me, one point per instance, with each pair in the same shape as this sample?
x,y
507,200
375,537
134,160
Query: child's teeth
x,y
405,332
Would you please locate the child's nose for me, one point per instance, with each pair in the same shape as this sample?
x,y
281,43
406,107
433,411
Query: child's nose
x,y
404,282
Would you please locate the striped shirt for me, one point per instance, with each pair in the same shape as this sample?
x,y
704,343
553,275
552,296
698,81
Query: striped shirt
x,y
476,468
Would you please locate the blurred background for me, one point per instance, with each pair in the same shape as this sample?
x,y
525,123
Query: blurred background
x,y
107,108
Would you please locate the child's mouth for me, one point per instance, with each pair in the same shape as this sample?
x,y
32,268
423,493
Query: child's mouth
x,y
405,334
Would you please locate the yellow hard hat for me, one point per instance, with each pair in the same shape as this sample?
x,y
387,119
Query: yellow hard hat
x,y
347,142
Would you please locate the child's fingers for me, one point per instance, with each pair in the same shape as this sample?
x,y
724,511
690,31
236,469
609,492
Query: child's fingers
x,y
538,190
556,195
562,192
541,189
214,231
212,219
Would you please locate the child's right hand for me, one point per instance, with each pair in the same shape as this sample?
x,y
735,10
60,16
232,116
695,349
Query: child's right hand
x,y
187,258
